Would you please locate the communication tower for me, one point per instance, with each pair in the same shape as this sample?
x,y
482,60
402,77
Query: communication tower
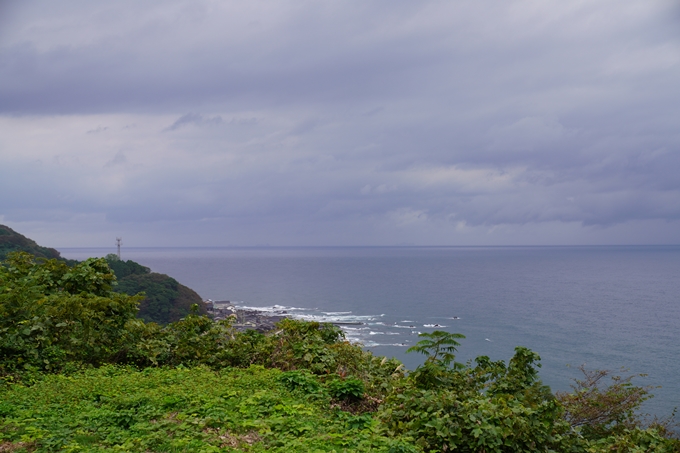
x,y
119,242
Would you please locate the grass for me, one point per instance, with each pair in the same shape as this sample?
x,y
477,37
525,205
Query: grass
x,y
178,410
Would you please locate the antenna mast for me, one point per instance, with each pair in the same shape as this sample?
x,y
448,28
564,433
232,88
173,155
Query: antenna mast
x,y
119,242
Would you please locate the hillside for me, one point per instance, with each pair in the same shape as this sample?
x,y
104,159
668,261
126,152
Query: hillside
x,y
11,241
166,300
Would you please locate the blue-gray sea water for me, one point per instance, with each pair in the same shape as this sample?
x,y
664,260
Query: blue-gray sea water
x,y
605,307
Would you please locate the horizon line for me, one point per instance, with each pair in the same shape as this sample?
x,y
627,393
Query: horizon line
x,y
263,246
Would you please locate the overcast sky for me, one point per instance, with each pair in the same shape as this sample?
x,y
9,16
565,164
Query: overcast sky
x,y
199,122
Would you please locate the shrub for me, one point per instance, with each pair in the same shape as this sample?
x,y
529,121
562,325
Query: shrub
x,y
300,380
51,314
603,403
347,389
446,405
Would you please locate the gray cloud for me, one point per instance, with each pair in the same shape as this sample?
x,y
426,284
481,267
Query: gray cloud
x,y
195,119
97,130
118,159
376,122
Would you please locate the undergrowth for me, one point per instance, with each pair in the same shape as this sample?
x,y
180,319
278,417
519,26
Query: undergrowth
x,y
182,409
80,373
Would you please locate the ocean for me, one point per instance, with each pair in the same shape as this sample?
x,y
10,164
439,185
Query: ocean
x,y
608,307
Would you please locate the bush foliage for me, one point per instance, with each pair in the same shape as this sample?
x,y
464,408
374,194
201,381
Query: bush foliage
x,y
82,372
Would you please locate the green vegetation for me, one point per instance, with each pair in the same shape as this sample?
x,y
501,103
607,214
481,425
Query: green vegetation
x,y
165,299
80,371
192,410
11,241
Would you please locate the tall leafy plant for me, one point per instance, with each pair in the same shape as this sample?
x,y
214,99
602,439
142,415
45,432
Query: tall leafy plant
x,y
440,348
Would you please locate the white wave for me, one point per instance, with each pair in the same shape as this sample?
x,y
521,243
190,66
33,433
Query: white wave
x,y
272,309
313,314
338,318
352,333
373,344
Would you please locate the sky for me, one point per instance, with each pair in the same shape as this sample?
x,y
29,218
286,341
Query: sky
x,y
340,122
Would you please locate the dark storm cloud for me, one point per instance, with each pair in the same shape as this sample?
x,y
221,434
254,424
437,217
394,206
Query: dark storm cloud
x,y
350,121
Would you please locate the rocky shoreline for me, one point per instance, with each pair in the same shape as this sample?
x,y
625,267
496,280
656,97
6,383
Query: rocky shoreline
x,y
244,319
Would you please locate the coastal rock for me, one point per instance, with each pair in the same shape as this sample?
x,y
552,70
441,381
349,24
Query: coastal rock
x,y
244,319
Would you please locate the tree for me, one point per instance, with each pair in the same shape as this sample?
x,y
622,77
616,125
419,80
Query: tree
x,y
603,402
51,314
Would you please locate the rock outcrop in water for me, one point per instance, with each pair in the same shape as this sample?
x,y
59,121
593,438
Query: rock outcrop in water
x,y
244,319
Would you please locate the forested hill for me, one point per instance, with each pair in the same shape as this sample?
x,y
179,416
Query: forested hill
x,y
11,241
166,300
